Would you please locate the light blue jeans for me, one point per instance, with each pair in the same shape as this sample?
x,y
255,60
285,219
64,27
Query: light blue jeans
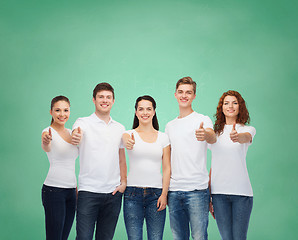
x,y
232,213
189,210
140,204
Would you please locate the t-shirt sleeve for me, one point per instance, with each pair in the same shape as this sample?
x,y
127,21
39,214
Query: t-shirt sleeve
x,y
165,140
207,122
250,130
45,130
78,123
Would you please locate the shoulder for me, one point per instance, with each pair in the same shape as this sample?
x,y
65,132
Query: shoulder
x,y
46,129
170,123
119,125
244,128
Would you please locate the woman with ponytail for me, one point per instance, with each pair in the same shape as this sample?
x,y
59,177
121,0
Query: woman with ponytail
x,y
59,188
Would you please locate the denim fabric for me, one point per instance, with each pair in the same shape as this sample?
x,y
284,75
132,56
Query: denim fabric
x,y
140,204
100,209
189,210
59,206
232,213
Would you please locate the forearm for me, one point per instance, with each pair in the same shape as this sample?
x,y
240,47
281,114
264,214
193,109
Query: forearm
x,y
46,147
166,180
244,137
210,136
123,167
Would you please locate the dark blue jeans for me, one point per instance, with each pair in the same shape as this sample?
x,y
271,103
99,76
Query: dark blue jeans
x,y
232,213
100,209
59,207
140,204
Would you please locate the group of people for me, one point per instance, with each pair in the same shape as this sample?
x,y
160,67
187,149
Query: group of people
x,y
165,169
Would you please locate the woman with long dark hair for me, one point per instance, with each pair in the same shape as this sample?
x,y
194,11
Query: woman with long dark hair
x,y
146,194
232,195
59,188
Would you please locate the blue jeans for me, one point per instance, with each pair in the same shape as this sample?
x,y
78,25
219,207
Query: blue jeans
x,y
190,208
59,207
140,204
232,213
101,209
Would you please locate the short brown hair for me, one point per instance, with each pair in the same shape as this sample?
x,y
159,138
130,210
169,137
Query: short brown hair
x,y
103,86
187,80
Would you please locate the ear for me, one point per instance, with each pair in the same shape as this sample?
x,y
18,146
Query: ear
x,y
93,100
51,112
194,97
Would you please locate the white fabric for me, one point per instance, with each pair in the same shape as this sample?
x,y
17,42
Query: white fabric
x,y
62,159
229,172
145,161
188,155
99,154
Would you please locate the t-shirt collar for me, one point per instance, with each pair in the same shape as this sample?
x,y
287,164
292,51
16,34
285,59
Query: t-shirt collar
x,y
97,119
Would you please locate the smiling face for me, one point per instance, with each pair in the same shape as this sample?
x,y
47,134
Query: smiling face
x,y
60,112
230,107
103,102
145,112
185,95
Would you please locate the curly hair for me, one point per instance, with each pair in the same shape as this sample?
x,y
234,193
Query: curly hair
x,y
242,118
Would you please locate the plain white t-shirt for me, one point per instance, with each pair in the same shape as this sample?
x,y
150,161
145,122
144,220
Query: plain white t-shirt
x,y
188,155
145,161
62,159
229,172
99,154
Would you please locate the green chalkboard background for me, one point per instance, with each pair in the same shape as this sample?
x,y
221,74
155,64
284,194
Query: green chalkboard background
x,y
54,47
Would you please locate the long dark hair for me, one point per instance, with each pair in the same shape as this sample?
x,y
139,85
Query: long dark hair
x,y
154,119
220,119
57,99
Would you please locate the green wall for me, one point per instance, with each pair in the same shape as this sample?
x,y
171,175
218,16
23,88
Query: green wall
x,y
49,48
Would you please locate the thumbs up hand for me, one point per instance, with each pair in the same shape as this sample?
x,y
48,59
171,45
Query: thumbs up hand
x,y
234,134
130,142
47,137
201,133
76,136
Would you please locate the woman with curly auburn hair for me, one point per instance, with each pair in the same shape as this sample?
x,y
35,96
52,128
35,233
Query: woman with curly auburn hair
x,y
232,195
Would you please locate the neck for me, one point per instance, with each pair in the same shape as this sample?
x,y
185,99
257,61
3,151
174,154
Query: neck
x,y
230,121
145,128
57,127
103,116
183,112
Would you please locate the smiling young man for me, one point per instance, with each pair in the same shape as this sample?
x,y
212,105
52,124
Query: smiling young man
x,y
188,198
102,178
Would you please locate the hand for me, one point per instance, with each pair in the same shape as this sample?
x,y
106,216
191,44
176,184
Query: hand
x,y
47,137
234,134
130,142
201,133
76,136
121,188
211,210
161,202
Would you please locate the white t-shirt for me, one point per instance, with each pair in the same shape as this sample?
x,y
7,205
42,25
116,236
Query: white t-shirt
x,y
188,155
62,159
99,154
229,172
145,161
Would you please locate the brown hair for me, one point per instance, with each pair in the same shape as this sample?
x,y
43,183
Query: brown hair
x,y
103,86
57,99
187,80
243,115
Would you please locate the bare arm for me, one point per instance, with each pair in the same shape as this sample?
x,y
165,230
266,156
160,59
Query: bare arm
x,y
166,175
210,136
123,172
46,139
